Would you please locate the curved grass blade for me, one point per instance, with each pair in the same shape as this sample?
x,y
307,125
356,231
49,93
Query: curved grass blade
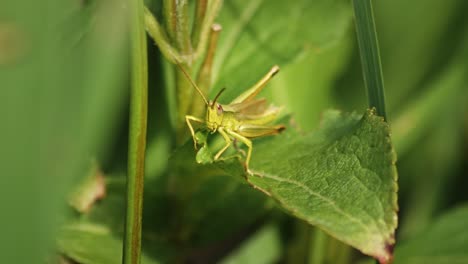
x,y
370,56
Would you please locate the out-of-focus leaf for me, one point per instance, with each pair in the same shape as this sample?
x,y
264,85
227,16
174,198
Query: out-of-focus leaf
x,y
89,243
263,247
60,93
304,86
208,195
325,249
432,171
97,235
253,40
91,189
444,241
406,35
445,92
406,39
341,178
220,200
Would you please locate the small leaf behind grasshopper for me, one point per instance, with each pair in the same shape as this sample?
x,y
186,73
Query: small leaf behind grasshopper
x,y
204,154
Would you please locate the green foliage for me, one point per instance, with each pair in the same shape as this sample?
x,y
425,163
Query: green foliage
x,y
449,230
252,41
62,90
341,178
88,243
323,191
262,247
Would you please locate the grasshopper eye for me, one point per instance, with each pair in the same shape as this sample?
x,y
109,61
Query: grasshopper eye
x,y
219,109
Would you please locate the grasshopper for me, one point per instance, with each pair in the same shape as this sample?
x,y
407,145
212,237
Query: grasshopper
x,y
241,120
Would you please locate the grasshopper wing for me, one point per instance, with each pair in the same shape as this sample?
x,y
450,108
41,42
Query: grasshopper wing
x,y
252,107
259,118
253,112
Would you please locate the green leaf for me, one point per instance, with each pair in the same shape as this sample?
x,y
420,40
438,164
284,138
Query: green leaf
x,y
253,39
97,236
62,87
220,208
304,87
89,243
263,247
431,172
204,155
341,178
444,242
442,96
90,189
415,34
209,195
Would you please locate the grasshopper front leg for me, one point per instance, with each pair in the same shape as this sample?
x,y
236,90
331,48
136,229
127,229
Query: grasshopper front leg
x,y
228,143
248,143
189,118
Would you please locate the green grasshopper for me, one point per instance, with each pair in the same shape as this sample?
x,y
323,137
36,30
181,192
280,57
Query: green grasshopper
x,y
242,119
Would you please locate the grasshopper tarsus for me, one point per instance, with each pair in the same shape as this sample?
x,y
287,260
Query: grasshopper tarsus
x,y
274,70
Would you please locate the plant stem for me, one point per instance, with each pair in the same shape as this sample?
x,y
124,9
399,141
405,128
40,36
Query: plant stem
x,y
205,28
200,13
184,99
204,74
370,56
177,28
182,34
318,246
169,16
137,134
157,33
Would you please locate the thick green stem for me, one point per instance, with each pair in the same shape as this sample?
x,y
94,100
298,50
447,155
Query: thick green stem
x,y
182,33
184,101
175,44
159,36
177,26
137,134
370,56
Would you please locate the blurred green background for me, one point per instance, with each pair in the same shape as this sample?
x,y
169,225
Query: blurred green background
x,y
64,91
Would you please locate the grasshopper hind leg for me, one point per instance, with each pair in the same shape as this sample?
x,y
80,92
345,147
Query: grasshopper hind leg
x,y
238,149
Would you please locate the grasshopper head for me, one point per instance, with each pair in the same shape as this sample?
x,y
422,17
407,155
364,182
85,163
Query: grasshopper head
x,y
214,116
214,113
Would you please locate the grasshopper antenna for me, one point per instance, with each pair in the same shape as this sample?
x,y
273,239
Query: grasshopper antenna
x,y
217,96
191,81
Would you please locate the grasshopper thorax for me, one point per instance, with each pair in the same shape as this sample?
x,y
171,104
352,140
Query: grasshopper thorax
x,y
214,116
